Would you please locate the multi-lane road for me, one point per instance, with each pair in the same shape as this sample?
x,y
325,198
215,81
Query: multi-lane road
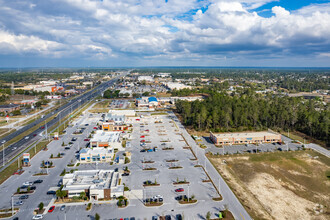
x,y
61,112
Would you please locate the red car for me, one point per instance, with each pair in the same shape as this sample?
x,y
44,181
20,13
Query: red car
x,y
147,130
142,136
143,141
179,190
34,135
42,127
95,128
138,119
51,209
86,139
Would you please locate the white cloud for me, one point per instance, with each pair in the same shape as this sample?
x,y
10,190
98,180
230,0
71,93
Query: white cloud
x,y
142,29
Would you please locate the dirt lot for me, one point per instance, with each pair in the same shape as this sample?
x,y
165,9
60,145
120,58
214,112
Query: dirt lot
x,y
281,185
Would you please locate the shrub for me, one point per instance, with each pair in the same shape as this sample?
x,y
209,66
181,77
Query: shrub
x,y
97,216
89,206
41,205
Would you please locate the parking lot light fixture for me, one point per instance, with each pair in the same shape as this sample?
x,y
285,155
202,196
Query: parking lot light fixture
x,y
12,205
188,192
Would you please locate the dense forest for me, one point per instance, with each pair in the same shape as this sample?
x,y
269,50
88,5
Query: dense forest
x,y
221,112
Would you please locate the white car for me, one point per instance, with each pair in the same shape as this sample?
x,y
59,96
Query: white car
x,y
27,137
27,184
4,141
38,217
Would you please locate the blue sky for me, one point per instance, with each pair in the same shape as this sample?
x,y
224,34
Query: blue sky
x,y
115,33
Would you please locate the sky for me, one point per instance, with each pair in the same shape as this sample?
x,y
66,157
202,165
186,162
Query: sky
x,y
133,33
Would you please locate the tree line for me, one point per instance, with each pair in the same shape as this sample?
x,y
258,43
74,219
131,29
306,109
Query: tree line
x,y
221,112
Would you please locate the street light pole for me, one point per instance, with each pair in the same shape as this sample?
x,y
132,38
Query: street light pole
x,y
12,205
188,192
3,154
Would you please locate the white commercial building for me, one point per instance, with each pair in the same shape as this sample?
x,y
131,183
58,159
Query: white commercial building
x,y
177,86
96,184
128,113
96,154
145,78
106,139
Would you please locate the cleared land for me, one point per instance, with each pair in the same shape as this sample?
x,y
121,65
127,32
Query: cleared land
x,y
102,107
281,185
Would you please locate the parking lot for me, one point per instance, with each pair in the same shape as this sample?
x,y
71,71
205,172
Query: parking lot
x,y
250,148
161,142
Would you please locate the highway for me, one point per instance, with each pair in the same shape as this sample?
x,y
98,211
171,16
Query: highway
x,y
61,112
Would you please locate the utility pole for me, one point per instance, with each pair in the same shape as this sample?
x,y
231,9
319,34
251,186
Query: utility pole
x,y
219,186
205,164
18,162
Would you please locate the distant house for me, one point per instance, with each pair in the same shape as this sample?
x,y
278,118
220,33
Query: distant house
x,y
9,108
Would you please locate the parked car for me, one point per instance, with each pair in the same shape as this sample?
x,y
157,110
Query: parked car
x,y
51,192
33,187
27,184
62,208
74,139
178,217
35,217
51,209
20,202
37,181
125,174
154,217
279,149
86,139
27,137
24,197
167,217
179,190
67,148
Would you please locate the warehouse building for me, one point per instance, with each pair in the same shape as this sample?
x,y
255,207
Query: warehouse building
x,y
97,184
245,138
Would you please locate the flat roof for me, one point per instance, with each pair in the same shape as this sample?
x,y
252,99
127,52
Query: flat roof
x,y
95,150
244,134
93,179
105,136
